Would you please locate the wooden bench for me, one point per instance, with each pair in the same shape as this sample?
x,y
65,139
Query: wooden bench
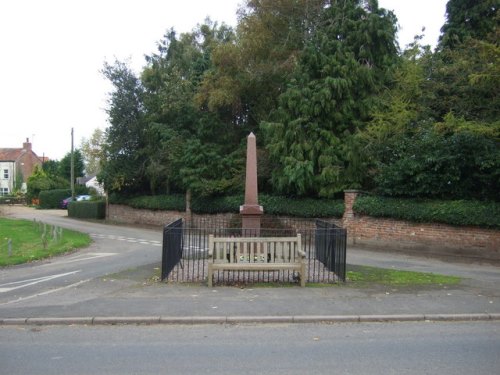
x,y
256,254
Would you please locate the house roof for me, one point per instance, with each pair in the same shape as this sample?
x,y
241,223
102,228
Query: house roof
x,y
10,154
14,154
84,180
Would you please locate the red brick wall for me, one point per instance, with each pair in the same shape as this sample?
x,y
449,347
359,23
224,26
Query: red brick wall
x,y
429,238
364,231
125,214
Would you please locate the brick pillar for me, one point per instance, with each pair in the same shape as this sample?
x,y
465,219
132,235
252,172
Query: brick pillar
x,y
348,220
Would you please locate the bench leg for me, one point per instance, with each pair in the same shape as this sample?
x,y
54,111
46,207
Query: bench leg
x,y
303,275
210,276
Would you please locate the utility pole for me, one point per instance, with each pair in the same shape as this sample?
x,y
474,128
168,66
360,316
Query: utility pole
x,y
72,168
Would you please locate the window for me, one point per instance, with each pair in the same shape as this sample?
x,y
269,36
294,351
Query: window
x,y
6,174
4,191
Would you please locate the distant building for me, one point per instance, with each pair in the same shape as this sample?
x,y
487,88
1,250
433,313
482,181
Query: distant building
x,y
91,182
17,163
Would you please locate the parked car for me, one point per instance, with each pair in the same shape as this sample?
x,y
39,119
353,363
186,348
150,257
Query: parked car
x,y
78,198
65,202
83,198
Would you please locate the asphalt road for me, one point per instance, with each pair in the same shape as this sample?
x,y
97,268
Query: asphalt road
x,y
398,348
114,249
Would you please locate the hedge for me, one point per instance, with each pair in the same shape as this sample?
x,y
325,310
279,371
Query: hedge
x,y
53,198
174,202
87,209
458,212
273,205
303,207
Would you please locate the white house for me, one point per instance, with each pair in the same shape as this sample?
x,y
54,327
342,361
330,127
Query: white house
x,y
17,163
91,182
7,176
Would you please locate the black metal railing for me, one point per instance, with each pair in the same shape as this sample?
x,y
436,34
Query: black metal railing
x,y
331,247
172,247
325,246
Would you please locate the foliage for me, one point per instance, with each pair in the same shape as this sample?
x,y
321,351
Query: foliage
x,y
464,73
40,181
123,165
64,167
159,140
93,209
214,205
465,80
53,198
460,212
430,164
51,167
341,69
400,107
249,74
18,184
173,202
333,102
468,19
273,205
28,243
92,151
302,207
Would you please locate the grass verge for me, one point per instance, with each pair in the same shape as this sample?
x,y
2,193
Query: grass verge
x,y
35,240
362,275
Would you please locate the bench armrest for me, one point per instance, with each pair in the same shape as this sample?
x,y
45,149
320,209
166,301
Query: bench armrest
x,y
210,246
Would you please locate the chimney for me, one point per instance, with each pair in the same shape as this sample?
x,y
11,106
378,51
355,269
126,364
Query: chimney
x,y
27,145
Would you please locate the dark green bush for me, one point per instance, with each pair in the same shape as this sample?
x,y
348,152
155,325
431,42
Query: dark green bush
x,y
459,212
273,205
433,165
174,202
303,207
87,209
53,198
215,205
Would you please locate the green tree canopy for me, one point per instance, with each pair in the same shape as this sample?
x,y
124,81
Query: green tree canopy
x,y
92,151
64,167
344,65
123,165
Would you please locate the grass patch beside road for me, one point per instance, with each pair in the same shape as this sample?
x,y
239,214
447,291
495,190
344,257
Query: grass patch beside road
x,y
360,275
28,242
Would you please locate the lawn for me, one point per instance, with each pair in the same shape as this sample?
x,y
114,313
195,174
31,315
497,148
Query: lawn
x,y
35,240
360,275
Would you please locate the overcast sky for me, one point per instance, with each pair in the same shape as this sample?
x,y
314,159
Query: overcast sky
x,y
52,52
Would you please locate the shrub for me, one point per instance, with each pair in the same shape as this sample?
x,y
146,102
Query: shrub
x,y
87,209
174,202
53,198
302,207
431,165
215,205
273,205
459,212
